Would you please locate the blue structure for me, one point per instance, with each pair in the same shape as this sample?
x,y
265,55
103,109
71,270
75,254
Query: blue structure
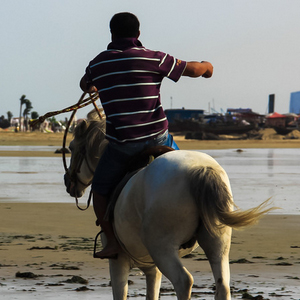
x,y
295,103
179,118
183,114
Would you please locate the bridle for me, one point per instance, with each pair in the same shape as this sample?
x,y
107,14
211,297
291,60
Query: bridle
x,y
76,170
73,173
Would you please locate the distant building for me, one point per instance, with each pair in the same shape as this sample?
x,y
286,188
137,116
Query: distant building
x,y
183,114
271,103
275,120
295,103
246,114
176,116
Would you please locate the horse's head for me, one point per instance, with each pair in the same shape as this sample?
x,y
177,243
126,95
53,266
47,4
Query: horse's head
x,y
87,146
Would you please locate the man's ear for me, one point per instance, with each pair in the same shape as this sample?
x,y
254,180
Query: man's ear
x,y
112,37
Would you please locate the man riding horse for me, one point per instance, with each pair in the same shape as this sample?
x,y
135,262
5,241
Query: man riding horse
x,y
128,77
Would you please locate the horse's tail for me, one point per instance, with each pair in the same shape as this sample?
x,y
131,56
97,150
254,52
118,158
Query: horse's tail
x,y
216,205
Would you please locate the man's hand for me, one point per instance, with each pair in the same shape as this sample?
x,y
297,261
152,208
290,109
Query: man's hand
x,y
92,89
85,87
197,69
209,71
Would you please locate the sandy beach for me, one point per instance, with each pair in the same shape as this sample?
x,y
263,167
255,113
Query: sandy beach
x,y
269,140
44,246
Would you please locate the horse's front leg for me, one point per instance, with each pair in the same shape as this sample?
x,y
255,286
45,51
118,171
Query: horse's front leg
x,y
217,249
119,271
153,281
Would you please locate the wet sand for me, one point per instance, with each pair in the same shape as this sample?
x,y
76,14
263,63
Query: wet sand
x,y
54,242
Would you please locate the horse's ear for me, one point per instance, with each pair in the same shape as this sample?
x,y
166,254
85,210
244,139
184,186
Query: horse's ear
x,y
93,115
82,127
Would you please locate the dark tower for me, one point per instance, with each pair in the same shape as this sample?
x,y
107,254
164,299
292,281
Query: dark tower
x,y
271,103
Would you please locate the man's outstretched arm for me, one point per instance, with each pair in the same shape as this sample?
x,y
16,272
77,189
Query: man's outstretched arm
x,y
197,69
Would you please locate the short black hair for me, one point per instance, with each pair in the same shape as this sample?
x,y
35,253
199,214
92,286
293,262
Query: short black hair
x,y
124,25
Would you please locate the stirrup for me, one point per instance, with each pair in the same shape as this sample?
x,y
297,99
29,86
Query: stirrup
x,y
95,243
95,248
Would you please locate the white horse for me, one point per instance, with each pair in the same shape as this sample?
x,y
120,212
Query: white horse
x,y
178,199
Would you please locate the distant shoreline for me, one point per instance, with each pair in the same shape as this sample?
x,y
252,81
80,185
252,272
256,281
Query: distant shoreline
x,y
36,138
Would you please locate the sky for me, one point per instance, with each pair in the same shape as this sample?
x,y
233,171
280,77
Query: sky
x,y
254,46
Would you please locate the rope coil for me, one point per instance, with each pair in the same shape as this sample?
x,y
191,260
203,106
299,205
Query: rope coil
x,y
81,103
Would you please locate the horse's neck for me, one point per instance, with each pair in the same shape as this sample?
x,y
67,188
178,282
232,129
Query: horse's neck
x,y
98,150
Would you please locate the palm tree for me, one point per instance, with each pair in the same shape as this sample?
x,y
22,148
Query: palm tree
x,y
9,116
34,115
4,122
26,113
22,101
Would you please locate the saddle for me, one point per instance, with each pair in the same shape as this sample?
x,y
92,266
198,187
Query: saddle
x,y
140,161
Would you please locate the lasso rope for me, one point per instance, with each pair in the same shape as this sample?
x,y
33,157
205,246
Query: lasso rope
x,y
80,104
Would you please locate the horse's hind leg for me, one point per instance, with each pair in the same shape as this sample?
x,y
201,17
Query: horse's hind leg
x,y
153,280
217,249
167,260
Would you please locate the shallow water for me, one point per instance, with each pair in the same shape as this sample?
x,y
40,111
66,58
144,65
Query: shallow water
x,y
255,175
258,174
28,148
32,179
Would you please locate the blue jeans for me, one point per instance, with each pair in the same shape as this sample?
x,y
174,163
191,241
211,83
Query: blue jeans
x,y
112,165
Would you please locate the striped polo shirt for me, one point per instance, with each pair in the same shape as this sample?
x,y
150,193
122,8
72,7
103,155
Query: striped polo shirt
x,y
128,78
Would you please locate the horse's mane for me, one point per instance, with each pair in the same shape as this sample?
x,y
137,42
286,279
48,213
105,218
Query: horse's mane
x,y
90,130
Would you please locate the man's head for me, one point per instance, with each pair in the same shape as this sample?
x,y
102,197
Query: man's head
x,y
124,25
